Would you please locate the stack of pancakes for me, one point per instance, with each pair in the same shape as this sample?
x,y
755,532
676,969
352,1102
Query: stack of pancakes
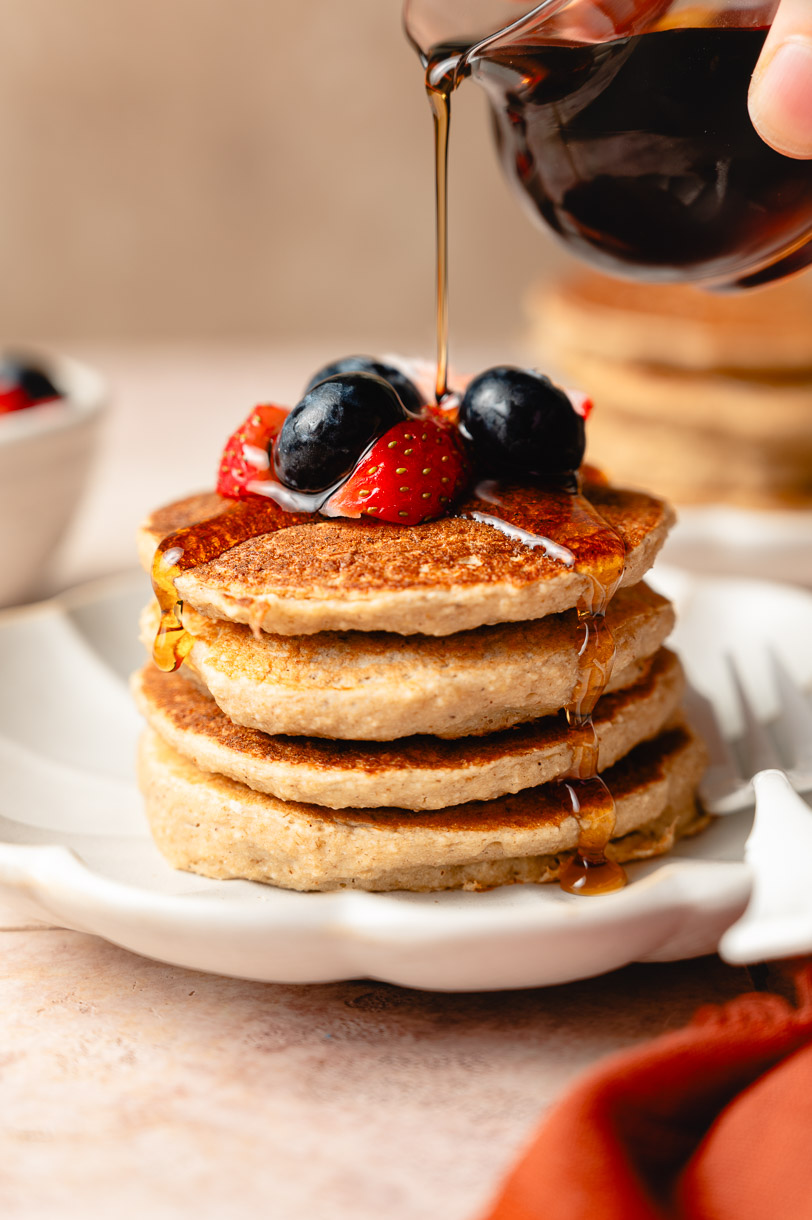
x,y
378,707
706,397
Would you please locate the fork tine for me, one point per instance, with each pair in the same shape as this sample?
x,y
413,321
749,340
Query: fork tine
x,y
761,753
702,715
723,789
796,715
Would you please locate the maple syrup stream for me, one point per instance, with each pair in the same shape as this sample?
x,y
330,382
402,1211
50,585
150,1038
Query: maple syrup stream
x,y
440,102
562,522
590,871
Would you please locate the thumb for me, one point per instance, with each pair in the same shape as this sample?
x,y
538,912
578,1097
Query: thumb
x,y
781,89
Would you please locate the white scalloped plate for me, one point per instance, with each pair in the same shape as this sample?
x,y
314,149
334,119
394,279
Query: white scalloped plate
x,y
75,851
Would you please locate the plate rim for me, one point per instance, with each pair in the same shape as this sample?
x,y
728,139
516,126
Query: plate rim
x,y
54,878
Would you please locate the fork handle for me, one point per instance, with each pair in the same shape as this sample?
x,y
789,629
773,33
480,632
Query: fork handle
x,y
778,919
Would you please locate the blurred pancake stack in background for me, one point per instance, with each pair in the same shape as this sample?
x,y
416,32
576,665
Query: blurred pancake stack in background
x,y
707,397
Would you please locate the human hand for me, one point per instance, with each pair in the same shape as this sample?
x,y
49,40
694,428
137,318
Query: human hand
x,y
781,90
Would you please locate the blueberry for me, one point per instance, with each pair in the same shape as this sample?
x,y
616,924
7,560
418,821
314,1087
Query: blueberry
x,y
32,380
407,391
520,424
326,433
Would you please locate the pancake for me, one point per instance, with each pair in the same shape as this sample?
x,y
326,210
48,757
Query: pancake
x,y
214,826
699,466
706,397
437,578
377,687
414,773
767,410
677,326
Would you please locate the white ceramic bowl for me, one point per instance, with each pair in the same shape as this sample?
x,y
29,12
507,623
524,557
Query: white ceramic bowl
x,y
45,456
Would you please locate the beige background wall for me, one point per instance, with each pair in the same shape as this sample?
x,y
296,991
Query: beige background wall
x,y
239,168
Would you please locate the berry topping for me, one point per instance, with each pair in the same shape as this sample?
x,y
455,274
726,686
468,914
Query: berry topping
x,y
24,385
406,390
582,404
412,474
245,458
520,424
328,431
13,399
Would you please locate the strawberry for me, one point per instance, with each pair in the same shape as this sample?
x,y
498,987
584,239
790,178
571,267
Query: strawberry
x,y
411,474
447,411
24,385
581,404
14,399
245,457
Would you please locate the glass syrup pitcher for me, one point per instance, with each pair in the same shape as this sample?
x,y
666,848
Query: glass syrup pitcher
x,y
623,125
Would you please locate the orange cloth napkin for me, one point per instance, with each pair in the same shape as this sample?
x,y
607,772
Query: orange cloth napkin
x,y
713,1122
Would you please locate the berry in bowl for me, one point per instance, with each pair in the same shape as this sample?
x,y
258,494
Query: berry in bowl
x,y
24,384
50,413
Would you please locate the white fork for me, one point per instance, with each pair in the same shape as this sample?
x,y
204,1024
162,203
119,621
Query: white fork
x,y
727,787
778,919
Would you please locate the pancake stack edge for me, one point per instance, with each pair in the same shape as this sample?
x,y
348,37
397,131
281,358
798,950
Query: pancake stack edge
x,y
381,760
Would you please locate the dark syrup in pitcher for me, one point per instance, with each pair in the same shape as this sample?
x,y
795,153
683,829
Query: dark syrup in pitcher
x,y
640,153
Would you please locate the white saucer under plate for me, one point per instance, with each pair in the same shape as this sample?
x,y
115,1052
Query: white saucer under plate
x,y
725,541
75,850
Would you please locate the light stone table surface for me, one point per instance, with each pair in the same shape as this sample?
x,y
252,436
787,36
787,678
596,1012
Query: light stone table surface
x,y
133,1089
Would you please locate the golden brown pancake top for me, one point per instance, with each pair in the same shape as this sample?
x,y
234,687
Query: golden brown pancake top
x,y
435,579
368,555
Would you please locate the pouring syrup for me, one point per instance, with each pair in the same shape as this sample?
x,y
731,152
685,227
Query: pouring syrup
x,y
590,871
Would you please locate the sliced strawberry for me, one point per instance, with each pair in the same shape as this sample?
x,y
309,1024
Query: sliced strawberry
x,y
245,458
448,410
581,404
411,474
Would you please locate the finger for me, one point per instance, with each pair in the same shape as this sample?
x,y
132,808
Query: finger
x,y
781,89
